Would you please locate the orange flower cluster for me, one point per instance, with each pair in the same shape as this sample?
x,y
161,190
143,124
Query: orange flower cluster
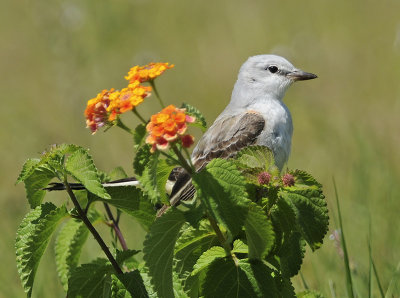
x,y
108,104
169,126
147,72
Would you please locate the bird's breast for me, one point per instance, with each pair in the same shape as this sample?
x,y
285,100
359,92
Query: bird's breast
x,y
278,130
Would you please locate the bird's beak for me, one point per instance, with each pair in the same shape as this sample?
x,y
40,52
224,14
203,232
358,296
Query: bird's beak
x,y
299,75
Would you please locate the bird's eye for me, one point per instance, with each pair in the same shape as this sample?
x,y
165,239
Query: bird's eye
x,y
273,68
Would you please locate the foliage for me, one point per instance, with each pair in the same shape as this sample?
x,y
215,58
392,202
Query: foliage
x,y
242,234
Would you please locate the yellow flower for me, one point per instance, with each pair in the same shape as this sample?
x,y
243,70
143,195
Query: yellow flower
x,y
147,72
169,126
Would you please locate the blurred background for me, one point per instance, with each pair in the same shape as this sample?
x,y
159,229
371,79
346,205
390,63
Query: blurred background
x,y
55,55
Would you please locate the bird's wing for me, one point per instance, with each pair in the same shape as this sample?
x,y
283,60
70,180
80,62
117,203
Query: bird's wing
x,y
227,136
224,139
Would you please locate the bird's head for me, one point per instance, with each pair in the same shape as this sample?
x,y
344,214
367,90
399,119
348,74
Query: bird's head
x,y
270,74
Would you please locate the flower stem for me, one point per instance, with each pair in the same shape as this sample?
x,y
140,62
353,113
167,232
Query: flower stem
x,y
139,116
91,228
169,156
116,227
220,236
153,85
189,157
123,126
182,160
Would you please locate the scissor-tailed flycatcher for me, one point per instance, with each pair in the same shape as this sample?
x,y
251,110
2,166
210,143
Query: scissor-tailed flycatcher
x,y
256,115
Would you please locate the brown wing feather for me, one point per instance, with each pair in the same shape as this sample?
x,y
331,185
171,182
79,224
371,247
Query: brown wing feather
x,y
227,136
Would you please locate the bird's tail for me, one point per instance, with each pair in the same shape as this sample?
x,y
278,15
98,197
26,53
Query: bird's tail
x,y
132,181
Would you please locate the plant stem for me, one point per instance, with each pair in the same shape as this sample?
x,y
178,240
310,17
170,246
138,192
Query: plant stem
x,y
169,156
189,157
220,236
139,116
123,126
153,85
182,160
91,228
116,227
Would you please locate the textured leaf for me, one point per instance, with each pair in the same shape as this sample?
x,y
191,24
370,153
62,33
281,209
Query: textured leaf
x,y
159,250
80,166
311,213
68,246
304,178
27,169
33,235
34,184
200,120
255,157
132,282
188,248
124,255
291,254
142,158
139,135
222,189
207,258
154,178
226,279
117,173
131,200
259,233
118,289
91,280
240,247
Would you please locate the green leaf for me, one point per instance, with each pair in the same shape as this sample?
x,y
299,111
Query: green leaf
x,y
311,213
222,189
154,178
33,235
27,169
200,120
304,178
117,173
159,250
207,258
139,135
35,182
226,279
91,280
131,200
124,255
142,158
132,282
240,247
80,166
118,289
255,157
68,246
191,243
291,254
259,233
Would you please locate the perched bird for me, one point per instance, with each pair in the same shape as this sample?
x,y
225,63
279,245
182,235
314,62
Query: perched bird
x,y
255,115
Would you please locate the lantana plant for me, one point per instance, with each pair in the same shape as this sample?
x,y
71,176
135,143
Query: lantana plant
x,y
242,234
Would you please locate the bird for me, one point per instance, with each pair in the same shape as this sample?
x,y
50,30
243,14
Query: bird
x,y
255,115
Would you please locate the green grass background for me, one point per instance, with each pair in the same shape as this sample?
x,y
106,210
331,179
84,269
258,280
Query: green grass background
x,y
55,55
